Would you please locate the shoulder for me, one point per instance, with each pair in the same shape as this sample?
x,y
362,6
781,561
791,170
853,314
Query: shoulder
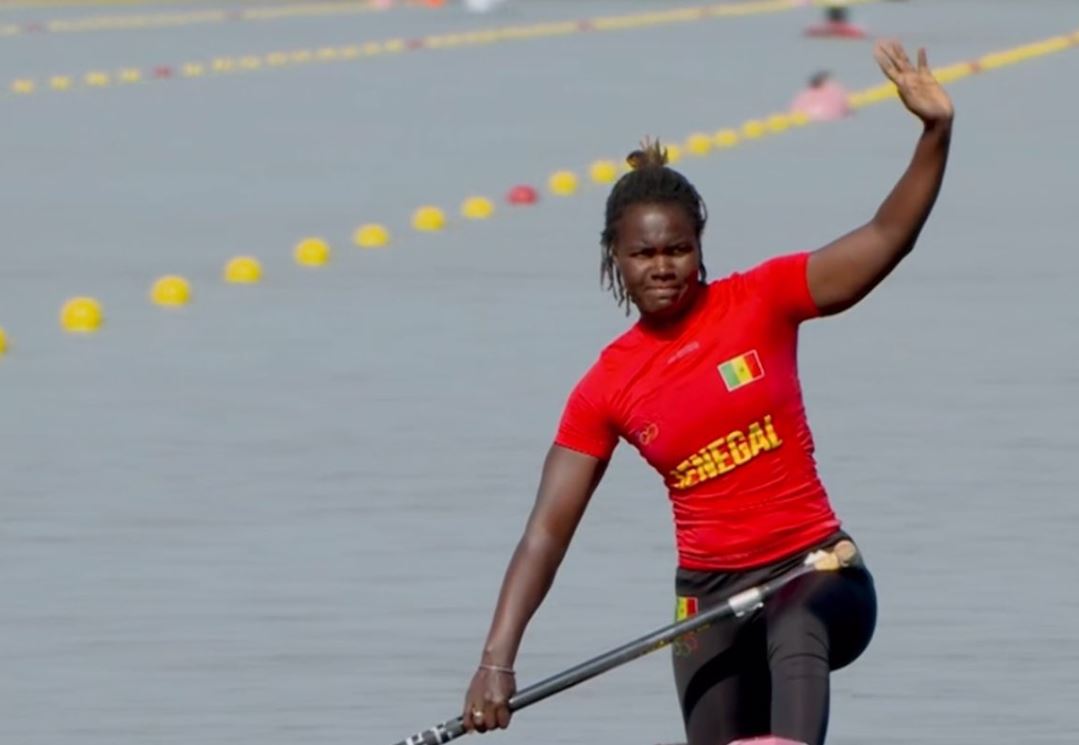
x,y
781,280
785,271
731,289
777,268
610,363
589,419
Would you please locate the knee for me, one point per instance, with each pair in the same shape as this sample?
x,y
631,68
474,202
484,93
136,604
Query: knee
x,y
851,630
831,615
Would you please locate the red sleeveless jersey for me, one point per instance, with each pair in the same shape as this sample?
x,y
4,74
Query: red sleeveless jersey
x,y
714,404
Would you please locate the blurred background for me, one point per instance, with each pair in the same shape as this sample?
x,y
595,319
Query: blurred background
x,y
292,294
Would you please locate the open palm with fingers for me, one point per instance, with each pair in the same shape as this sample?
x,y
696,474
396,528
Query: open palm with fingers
x,y
920,92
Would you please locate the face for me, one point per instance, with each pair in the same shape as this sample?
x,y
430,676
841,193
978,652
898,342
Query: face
x,y
659,256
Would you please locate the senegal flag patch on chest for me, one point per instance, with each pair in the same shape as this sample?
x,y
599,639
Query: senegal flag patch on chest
x,y
741,370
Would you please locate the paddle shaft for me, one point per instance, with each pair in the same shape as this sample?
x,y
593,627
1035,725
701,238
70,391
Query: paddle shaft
x,y
736,605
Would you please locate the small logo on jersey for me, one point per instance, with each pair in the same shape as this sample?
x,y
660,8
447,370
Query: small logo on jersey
x,y
685,351
648,433
741,370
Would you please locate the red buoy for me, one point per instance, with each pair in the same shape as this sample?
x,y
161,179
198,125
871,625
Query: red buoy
x,y
522,194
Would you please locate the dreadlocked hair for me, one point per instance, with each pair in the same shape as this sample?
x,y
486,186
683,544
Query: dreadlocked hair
x,y
650,181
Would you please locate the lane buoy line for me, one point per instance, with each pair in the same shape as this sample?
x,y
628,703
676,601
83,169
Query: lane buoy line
x,y
84,314
25,4
239,64
144,22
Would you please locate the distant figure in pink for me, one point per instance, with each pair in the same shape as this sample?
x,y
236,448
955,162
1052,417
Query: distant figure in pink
x,y
824,100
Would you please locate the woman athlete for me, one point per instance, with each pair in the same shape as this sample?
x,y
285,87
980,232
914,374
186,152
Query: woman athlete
x,y
705,386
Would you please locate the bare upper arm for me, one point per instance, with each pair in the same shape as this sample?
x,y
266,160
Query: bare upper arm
x,y
568,480
844,271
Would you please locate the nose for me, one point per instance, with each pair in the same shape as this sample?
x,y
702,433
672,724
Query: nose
x,y
662,267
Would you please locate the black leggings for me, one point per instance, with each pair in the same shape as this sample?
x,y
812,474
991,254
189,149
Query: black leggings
x,y
767,672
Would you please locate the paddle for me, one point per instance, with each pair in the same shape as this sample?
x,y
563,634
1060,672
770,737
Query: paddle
x,y
839,556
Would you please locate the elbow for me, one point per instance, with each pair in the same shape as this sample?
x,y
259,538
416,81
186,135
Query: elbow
x,y
540,542
896,240
544,547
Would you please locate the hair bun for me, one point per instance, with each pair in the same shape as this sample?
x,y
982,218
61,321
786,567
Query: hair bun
x,y
651,155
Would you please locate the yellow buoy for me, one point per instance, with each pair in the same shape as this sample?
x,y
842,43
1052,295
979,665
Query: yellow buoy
x,y
779,123
311,252
726,138
754,129
243,270
799,118
603,171
674,154
97,79
171,290
562,183
428,219
371,236
3,341
699,144
477,208
81,315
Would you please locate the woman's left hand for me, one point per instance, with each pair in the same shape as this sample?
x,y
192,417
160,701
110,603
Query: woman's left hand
x,y
918,89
